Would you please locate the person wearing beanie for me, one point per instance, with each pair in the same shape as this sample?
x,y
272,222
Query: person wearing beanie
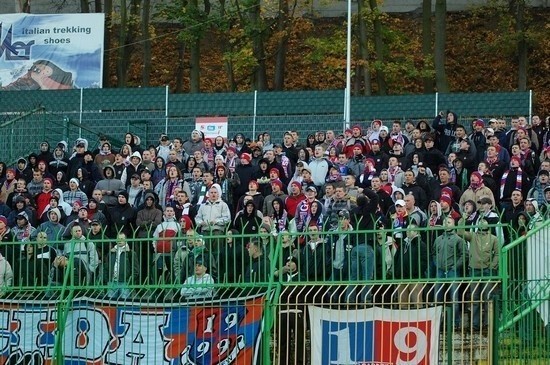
x,y
8,185
245,170
147,220
295,197
42,199
476,190
276,192
247,220
123,216
513,179
74,193
23,229
195,143
539,185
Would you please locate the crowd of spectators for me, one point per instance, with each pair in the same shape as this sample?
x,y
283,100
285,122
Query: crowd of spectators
x,y
170,212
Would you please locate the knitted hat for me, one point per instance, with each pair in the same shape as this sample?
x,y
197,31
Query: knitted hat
x,y
75,180
278,183
479,123
447,199
477,174
4,219
515,158
246,156
297,184
124,194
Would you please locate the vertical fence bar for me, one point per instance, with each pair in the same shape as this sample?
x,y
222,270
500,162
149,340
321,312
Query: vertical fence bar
x,y
166,111
345,124
255,111
80,114
348,68
436,104
530,105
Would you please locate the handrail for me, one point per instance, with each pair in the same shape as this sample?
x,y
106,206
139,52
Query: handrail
x,y
34,111
114,142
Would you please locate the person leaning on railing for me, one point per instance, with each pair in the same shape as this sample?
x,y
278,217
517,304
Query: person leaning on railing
x,y
451,252
483,261
410,263
122,269
6,275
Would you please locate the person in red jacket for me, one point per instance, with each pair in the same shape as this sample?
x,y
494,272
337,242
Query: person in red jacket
x,y
295,197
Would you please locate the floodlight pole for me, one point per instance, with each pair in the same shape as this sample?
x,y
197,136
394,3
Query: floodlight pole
x,y
347,97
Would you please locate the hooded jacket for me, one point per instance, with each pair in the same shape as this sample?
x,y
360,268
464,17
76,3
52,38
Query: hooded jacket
x,y
25,172
111,186
131,169
122,219
148,218
53,230
63,205
445,130
213,216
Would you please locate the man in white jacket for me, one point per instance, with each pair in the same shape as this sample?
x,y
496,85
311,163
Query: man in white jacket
x,y
213,217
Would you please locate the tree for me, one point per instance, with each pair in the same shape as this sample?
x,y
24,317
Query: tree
x,y
427,54
129,24
517,9
146,42
283,20
439,47
107,42
379,48
363,71
256,30
194,22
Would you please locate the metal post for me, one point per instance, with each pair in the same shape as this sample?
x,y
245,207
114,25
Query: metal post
x,y
530,105
166,111
347,112
254,115
436,104
81,108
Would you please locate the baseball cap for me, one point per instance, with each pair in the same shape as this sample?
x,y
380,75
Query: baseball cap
x,y
344,213
311,188
400,202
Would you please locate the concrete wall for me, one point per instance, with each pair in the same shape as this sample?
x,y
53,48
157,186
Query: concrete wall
x,y
326,8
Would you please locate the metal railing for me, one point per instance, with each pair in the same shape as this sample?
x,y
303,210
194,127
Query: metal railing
x,y
473,313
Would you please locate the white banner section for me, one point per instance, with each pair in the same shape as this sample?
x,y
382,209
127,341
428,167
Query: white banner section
x,y
374,336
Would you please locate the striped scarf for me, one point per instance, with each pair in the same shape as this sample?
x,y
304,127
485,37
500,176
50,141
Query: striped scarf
x,y
503,181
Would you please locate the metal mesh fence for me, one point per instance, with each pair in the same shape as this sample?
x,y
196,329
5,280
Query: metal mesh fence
x,y
95,307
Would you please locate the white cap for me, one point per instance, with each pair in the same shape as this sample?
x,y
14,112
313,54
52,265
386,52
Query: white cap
x,y
400,202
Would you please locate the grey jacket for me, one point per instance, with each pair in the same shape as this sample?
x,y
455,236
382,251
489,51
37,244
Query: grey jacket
x,y
451,251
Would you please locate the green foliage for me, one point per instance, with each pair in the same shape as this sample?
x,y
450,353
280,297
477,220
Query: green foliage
x,y
193,19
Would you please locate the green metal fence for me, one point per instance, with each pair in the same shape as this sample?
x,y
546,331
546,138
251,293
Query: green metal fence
x,y
65,291
33,116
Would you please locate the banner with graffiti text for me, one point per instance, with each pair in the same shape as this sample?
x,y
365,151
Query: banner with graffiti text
x,y
374,336
101,332
51,52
